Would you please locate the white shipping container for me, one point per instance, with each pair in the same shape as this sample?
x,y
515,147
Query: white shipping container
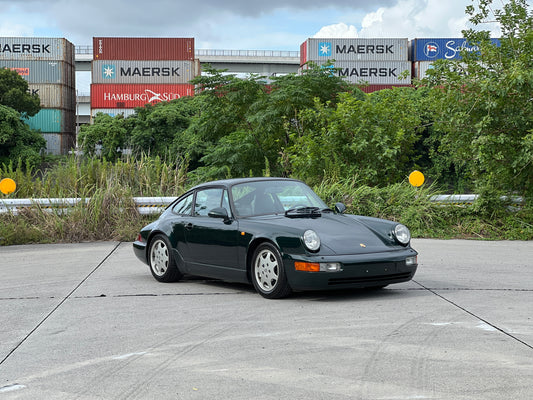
x,y
142,71
36,49
113,112
54,96
59,143
421,68
322,50
373,72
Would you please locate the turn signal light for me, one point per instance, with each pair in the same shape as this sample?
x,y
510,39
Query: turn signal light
x,y
304,266
317,267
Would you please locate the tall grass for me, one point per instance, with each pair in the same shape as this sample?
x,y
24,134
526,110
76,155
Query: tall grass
x,y
411,206
107,211
83,177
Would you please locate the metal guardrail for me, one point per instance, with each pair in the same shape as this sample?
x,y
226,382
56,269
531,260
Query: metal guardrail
x,y
145,205
156,205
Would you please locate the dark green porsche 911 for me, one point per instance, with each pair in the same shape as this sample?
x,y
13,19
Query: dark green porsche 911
x,y
277,234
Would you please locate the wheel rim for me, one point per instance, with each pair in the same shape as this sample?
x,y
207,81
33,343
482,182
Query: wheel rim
x,y
266,270
159,258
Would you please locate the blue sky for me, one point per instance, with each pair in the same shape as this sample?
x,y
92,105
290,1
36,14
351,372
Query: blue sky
x,y
234,24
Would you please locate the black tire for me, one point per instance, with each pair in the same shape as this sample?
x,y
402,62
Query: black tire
x,y
268,274
161,260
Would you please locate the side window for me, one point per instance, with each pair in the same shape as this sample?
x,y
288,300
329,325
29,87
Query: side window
x,y
206,200
184,206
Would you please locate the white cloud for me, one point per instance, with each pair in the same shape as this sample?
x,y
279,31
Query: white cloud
x,y
340,30
410,19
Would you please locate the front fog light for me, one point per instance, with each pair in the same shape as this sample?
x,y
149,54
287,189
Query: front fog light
x,y
330,267
411,260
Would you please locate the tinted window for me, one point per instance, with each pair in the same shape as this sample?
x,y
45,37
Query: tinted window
x,y
206,200
184,206
272,197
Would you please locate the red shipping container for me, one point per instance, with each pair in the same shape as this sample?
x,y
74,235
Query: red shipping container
x,y
136,95
303,53
375,88
120,48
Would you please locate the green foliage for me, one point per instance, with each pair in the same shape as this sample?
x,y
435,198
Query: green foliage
x,y
17,140
371,137
106,137
14,93
482,104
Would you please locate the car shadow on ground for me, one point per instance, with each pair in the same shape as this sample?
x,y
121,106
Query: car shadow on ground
x,y
315,295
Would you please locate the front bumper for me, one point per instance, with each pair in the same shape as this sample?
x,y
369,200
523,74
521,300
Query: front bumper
x,y
358,271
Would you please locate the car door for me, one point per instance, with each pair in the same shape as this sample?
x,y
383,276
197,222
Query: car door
x,y
179,217
212,242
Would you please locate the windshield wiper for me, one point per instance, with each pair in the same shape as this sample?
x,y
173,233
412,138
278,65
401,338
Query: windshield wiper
x,y
303,212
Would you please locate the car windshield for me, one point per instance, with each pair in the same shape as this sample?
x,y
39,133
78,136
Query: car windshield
x,y
272,197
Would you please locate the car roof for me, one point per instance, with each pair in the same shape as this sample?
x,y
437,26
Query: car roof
x,y
235,181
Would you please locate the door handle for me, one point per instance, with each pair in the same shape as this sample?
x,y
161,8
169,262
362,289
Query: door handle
x,y
189,226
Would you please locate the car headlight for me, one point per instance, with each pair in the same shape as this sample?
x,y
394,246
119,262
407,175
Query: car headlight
x,y
311,240
402,234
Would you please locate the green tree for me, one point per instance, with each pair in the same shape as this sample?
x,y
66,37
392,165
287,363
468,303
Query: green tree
x,y
158,130
14,93
244,126
482,103
370,137
17,140
107,136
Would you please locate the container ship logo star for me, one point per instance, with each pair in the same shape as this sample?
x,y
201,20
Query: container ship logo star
x,y
108,71
324,49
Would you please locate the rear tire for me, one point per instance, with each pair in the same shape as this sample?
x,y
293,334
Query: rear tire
x,y
268,273
161,260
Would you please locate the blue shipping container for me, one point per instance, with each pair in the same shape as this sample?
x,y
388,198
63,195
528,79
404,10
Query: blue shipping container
x,y
53,120
442,49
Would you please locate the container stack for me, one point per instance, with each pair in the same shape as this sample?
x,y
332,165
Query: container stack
x,y
378,63
48,66
425,51
132,72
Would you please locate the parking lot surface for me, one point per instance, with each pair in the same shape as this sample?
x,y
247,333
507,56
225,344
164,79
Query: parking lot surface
x,y
88,321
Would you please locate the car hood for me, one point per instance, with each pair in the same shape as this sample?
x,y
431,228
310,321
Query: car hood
x,y
341,233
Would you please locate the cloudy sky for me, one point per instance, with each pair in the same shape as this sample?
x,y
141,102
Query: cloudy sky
x,y
234,24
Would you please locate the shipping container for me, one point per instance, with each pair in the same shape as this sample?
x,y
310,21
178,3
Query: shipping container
x,y
53,72
36,49
120,48
375,88
322,50
158,72
59,143
131,96
54,96
442,48
113,112
372,72
421,68
303,53
51,120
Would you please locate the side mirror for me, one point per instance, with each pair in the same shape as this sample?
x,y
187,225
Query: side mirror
x,y
340,208
219,212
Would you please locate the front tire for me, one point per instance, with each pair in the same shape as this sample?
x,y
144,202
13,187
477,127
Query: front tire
x,y
161,260
268,274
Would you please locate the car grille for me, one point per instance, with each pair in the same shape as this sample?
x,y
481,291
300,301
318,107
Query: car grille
x,y
370,280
